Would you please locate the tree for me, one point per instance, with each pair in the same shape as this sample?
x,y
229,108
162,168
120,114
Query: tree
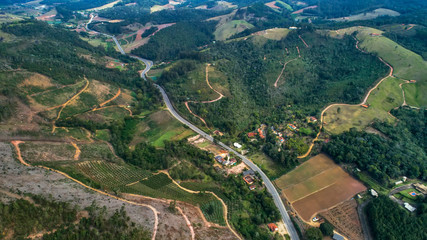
x,y
327,229
172,206
313,234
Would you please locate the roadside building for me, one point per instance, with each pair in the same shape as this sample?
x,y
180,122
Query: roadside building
x,y
216,132
248,179
232,161
273,227
248,172
237,145
219,159
336,236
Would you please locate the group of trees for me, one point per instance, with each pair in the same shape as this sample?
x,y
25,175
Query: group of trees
x,y
22,217
389,221
401,151
168,43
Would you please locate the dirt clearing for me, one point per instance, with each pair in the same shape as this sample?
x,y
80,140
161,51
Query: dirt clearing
x,y
316,185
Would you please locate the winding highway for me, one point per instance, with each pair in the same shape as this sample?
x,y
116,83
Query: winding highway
x,y
268,184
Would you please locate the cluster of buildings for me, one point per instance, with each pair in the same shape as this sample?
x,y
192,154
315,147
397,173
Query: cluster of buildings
x,y
249,177
224,159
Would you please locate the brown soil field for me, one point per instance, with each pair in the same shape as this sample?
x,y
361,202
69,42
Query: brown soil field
x,y
317,185
315,165
345,219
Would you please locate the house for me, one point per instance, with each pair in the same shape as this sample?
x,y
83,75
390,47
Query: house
x,y
252,187
248,172
336,236
281,139
292,127
409,207
219,159
364,105
398,182
233,161
273,227
421,188
252,134
374,193
237,145
293,28
261,133
248,179
404,179
313,119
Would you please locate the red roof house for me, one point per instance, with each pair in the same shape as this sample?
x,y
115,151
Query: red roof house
x,y
273,227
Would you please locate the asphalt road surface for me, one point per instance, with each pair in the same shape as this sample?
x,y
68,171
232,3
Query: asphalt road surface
x,y
268,184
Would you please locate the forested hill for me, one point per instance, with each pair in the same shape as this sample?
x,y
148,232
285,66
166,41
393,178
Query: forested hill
x,y
343,8
330,70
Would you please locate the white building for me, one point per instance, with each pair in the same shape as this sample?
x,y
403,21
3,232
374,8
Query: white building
x,y
237,145
409,207
374,193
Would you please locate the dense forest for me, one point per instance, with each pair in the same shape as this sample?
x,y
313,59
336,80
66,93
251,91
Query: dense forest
x,y
343,8
168,43
390,221
400,150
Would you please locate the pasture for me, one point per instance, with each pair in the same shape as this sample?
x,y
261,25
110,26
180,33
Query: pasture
x,y
228,29
368,15
316,185
158,127
406,64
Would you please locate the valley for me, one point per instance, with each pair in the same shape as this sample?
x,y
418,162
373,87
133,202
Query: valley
x,y
212,119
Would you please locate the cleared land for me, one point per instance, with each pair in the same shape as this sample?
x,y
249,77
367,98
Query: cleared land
x,y
345,219
368,15
228,29
317,185
159,127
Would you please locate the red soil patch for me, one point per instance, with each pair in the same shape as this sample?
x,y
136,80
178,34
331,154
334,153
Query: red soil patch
x,y
302,10
272,5
343,189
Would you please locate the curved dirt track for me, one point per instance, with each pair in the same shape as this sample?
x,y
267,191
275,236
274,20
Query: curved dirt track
x,y
211,101
283,69
344,104
224,206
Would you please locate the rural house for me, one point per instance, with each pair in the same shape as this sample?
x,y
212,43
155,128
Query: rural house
x,y
273,227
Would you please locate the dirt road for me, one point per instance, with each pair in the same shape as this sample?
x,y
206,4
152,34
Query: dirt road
x,y
211,101
344,104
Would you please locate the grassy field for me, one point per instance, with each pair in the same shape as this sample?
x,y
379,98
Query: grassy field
x,y
230,28
317,184
103,135
159,127
271,168
407,66
368,15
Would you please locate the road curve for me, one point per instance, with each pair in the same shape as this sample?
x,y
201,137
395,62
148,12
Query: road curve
x,y
268,184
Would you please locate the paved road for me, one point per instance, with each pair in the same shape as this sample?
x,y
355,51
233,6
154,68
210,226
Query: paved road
x,y
364,221
268,184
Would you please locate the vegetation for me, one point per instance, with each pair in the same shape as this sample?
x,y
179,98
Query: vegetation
x,y
313,234
389,221
327,229
21,217
99,225
399,150
181,37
